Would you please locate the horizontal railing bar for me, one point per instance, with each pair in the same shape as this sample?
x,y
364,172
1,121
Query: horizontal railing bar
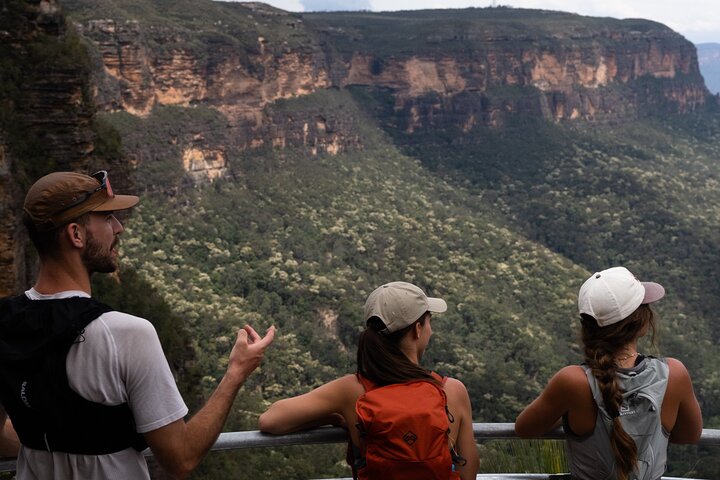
x,y
525,476
481,431
323,435
497,431
255,439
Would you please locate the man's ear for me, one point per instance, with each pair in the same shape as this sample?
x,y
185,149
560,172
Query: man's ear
x,y
75,233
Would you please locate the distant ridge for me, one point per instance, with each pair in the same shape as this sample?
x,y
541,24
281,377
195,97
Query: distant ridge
x,y
709,59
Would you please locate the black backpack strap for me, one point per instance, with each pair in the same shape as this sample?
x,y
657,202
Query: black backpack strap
x,y
35,337
354,458
456,457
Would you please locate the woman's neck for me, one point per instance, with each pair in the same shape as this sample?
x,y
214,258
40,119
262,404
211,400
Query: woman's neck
x,y
627,356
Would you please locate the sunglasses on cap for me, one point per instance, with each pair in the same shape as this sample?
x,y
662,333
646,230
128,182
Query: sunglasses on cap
x,y
102,177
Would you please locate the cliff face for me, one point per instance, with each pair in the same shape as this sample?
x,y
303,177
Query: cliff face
x,y
475,73
135,77
577,78
434,69
45,116
50,104
12,237
595,77
564,69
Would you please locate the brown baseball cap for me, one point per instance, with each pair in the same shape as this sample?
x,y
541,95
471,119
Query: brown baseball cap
x,y
60,197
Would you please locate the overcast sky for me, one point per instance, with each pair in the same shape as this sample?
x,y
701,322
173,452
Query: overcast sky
x,y
697,20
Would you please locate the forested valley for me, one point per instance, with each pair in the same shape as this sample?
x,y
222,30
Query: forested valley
x,y
289,208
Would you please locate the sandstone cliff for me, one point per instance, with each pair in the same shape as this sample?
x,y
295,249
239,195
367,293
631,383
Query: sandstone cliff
x,y
142,66
12,237
45,116
47,82
452,69
490,62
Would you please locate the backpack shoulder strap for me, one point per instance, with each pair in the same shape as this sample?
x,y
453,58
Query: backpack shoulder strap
x,y
594,386
439,378
369,385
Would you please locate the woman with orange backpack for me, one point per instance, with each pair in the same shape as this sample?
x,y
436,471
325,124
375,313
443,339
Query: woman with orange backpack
x,y
404,422
619,408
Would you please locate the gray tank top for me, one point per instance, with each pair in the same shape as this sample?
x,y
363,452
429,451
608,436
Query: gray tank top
x,y
591,456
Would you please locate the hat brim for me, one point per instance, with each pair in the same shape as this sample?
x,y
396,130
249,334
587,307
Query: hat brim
x,y
118,202
436,305
653,292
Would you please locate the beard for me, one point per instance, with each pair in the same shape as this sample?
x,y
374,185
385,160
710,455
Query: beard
x,y
98,259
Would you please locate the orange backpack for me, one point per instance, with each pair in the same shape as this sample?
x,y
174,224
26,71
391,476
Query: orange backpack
x,y
404,432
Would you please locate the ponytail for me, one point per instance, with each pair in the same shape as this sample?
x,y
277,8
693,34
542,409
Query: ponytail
x,y
380,360
602,345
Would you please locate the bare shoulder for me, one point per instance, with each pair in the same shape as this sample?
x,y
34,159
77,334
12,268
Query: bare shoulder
x,y
573,372
680,410
676,366
568,387
347,381
456,390
572,376
678,375
454,385
346,386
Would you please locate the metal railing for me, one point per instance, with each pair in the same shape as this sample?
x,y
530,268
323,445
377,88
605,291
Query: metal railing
x,y
324,435
482,432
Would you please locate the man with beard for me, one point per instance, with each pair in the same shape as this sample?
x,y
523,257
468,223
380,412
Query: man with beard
x,y
88,388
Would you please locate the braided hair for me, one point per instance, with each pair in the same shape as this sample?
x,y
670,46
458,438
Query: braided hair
x,y
602,344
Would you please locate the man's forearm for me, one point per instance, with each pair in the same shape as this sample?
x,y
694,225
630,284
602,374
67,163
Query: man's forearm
x,y
205,426
9,442
179,447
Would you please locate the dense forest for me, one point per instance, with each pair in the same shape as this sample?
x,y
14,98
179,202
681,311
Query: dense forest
x,y
503,219
505,227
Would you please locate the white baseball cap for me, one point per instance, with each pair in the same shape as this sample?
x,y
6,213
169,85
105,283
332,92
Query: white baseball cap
x,y
399,304
613,294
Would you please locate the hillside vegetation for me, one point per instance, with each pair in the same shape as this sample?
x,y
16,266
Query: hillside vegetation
x,y
504,219
426,32
505,228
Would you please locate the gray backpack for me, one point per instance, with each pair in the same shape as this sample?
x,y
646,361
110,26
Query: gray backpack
x,y
640,413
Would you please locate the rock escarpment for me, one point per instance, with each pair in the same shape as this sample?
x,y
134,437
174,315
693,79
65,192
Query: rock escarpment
x,y
456,69
12,236
140,67
45,115
46,88
247,63
496,62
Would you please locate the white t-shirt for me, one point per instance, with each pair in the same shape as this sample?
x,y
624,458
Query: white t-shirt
x,y
121,360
